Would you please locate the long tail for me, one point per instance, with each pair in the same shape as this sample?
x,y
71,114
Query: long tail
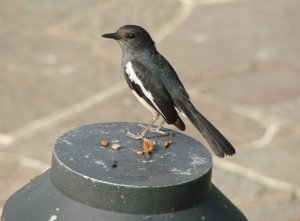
x,y
219,144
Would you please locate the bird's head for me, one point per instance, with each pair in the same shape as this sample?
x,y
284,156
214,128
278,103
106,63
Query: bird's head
x,y
132,37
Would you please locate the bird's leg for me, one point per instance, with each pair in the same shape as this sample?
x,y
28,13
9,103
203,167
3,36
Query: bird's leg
x,y
155,129
144,131
158,129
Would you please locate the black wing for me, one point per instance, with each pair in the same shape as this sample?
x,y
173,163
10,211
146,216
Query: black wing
x,y
149,87
171,81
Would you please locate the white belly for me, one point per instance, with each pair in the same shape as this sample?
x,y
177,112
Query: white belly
x,y
143,102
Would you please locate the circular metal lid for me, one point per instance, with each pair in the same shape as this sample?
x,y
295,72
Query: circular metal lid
x,y
169,179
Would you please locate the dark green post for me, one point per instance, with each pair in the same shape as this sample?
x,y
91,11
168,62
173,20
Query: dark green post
x,y
88,182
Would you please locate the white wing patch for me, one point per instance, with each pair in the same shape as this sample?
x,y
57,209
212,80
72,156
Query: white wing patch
x,y
133,78
143,102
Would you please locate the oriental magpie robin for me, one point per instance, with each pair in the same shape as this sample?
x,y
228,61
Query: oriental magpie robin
x,y
156,85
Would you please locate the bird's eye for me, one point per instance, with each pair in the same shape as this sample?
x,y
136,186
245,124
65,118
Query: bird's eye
x,y
130,36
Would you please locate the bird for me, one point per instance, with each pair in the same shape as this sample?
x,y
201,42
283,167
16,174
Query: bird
x,y
157,86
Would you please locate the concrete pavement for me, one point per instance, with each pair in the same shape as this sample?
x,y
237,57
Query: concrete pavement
x,y
238,59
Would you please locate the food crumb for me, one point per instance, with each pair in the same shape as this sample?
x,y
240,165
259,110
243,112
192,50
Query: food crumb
x,y
33,178
116,146
138,152
168,143
148,146
114,164
104,143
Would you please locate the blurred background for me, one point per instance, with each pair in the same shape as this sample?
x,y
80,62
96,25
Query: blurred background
x,y
238,59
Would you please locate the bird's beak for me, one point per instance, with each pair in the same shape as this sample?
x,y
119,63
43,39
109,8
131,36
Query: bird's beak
x,y
111,35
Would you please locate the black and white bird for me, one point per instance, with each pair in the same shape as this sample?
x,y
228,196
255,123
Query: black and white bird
x,y
156,85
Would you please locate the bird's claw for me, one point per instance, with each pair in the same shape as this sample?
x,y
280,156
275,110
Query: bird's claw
x,y
154,129
134,136
141,125
158,131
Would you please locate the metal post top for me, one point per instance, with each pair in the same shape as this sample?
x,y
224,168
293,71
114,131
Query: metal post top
x,y
168,179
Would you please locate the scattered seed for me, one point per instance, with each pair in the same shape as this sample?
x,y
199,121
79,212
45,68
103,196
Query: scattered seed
x,y
116,146
104,143
168,143
114,164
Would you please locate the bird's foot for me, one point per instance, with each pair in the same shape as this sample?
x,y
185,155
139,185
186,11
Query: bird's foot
x,y
154,129
135,136
158,131
142,126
